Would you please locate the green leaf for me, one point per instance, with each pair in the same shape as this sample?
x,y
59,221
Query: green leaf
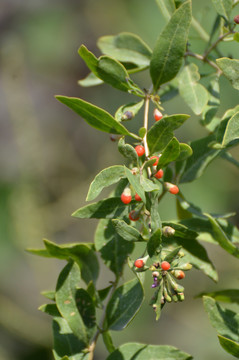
x,y
161,133
94,116
154,242
228,296
50,309
181,230
223,7
170,153
108,209
80,253
225,321
232,347
202,156
132,108
126,47
136,351
154,212
105,178
167,8
208,116
221,238
127,151
108,341
232,130
124,304
66,344
126,231
185,152
90,80
135,182
70,299
230,68
170,256
169,50
195,95
113,248
148,185
49,294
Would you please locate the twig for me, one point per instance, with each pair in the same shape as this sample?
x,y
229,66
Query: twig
x,y
202,58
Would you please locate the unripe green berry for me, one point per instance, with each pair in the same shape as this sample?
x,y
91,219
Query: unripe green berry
x,y
168,231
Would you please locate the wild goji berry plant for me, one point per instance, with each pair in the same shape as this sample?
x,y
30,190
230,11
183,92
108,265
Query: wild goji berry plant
x,y
157,163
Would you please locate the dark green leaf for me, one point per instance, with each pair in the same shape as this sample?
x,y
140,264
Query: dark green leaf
x,y
232,347
230,68
127,151
194,94
154,242
113,248
202,156
50,309
225,321
170,153
228,296
160,134
94,116
170,256
185,152
132,108
105,178
66,344
126,231
124,304
181,230
108,341
67,301
109,209
81,253
135,182
232,130
127,48
136,351
223,7
169,50
221,238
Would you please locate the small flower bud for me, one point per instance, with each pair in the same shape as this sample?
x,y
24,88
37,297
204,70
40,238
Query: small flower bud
x,y
114,137
155,273
168,231
134,170
185,266
127,115
236,19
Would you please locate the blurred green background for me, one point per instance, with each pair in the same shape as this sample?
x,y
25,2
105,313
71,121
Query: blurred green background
x,y
48,156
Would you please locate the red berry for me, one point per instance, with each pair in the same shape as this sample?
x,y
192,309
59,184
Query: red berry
x,y
137,197
165,265
157,160
157,115
236,19
174,189
139,263
179,274
140,150
159,174
126,196
134,215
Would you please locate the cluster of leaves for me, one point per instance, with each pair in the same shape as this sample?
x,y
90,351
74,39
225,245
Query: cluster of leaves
x,y
75,327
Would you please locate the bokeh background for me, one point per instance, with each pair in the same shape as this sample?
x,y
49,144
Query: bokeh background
x,y
48,156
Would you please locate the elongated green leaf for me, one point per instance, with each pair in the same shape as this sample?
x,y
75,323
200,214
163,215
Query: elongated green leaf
x,y
128,111
185,152
169,50
170,256
94,116
222,239
225,321
66,344
66,301
154,213
80,253
232,347
126,231
127,151
90,80
167,8
136,351
230,68
135,182
223,7
194,94
170,153
228,296
108,341
109,209
105,178
126,47
113,248
232,130
124,304
148,185
202,156
154,242
181,230
160,134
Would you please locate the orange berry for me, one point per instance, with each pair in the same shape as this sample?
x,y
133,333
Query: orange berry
x,y
165,265
140,150
139,263
157,115
156,160
137,197
134,215
126,196
159,174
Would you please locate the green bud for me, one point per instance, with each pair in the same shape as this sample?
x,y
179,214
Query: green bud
x,y
185,266
181,296
176,287
168,231
166,295
175,298
127,115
